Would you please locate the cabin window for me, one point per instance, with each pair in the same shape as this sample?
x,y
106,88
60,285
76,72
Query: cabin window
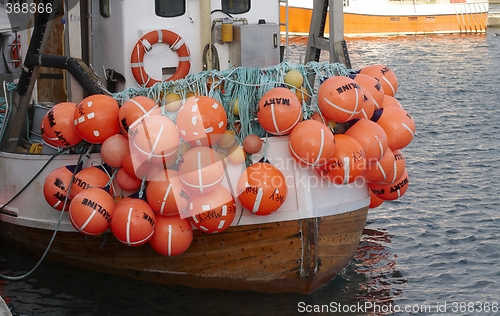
x,y
104,8
235,6
170,8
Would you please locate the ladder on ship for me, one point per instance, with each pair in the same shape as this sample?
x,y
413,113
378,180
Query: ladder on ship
x,y
335,43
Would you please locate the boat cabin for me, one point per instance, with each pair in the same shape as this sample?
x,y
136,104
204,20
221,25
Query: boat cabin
x,y
117,26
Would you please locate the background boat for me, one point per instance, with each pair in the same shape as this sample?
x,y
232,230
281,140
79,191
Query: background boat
x,y
406,17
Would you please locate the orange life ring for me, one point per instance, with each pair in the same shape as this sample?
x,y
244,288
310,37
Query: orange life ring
x,y
144,45
15,51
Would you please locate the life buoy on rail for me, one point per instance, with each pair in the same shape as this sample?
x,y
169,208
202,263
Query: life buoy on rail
x,y
144,45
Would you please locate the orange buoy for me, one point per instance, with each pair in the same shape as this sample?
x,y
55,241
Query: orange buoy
x,y
347,163
137,166
91,211
155,138
133,222
127,182
96,118
372,85
391,102
384,75
201,169
371,137
91,177
391,191
397,124
368,105
57,127
278,111
166,194
114,149
262,188
399,166
172,235
227,140
381,170
340,98
252,144
375,201
134,110
201,121
311,143
236,155
302,94
213,212
56,185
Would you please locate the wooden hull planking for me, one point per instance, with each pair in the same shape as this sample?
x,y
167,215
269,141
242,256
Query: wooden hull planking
x,y
291,256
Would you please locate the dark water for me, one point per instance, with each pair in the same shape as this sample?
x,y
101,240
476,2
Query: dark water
x,y
437,245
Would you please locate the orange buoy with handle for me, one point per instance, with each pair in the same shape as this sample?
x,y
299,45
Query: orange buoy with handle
x,y
172,235
262,188
144,45
92,211
133,222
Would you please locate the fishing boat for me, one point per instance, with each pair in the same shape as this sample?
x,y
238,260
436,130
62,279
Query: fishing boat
x,y
120,51
396,17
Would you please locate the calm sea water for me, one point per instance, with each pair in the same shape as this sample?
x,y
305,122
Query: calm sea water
x,y
439,244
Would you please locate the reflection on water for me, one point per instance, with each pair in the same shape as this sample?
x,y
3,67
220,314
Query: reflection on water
x,y
384,283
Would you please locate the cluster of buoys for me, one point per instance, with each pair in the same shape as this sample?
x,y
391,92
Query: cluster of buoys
x,y
158,178
357,132
164,167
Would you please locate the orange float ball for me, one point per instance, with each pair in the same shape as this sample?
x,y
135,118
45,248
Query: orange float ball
x,y
56,185
114,149
227,140
399,166
172,235
252,144
391,191
91,177
347,163
381,170
57,127
397,124
278,111
375,201
262,188
135,109
311,143
384,75
136,166
96,118
133,222
235,155
166,194
391,102
372,85
155,138
213,212
91,211
368,106
127,182
201,121
371,137
302,94
201,169
340,98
